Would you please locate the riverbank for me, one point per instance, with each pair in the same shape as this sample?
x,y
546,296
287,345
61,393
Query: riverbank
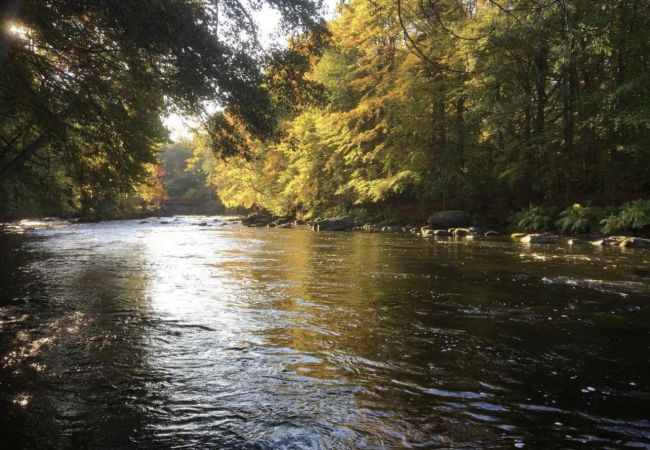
x,y
434,229
449,224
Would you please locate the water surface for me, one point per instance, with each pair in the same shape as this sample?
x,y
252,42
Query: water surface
x,y
153,335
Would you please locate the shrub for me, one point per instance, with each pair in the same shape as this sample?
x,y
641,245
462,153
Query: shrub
x,y
580,219
630,216
534,218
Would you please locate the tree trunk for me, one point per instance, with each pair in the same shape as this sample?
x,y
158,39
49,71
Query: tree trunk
x,y
21,158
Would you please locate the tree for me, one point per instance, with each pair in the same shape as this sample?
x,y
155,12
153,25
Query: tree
x,y
86,82
463,104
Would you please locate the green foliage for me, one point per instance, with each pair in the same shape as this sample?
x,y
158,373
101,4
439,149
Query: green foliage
x,y
182,172
84,85
456,104
630,216
534,218
580,219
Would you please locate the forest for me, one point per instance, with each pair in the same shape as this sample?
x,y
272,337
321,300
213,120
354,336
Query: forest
x,y
392,107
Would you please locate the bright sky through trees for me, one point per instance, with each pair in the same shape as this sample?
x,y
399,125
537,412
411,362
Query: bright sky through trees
x,y
268,19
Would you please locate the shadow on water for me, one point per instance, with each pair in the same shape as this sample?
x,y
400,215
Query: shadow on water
x,y
174,335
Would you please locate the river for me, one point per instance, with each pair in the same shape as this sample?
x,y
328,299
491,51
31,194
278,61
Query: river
x,y
175,335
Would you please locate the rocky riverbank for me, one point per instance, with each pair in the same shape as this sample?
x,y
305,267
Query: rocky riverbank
x,y
444,224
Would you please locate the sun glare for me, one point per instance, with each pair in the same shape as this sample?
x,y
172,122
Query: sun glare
x,y
17,29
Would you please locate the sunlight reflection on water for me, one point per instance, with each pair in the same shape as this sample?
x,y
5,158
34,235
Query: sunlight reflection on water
x,y
158,335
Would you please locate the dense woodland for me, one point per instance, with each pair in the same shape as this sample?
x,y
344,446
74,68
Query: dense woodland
x,y
398,105
480,105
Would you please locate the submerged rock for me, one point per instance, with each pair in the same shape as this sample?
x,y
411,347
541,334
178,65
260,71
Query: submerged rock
x,y
576,241
450,219
491,233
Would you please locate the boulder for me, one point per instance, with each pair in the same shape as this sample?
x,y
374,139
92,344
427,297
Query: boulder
x,y
450,219
635,242
257,220
333,224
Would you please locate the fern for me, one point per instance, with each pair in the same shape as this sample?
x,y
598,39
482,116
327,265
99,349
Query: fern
x,y
534,218
580,219
630,216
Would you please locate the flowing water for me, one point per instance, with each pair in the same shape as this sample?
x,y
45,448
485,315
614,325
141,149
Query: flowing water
x,y
153,335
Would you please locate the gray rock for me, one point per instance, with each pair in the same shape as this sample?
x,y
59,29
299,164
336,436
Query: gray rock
x,y
635,242
333,224
257,220
609,241
576,241
459,232
538,239
450,219
427,232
